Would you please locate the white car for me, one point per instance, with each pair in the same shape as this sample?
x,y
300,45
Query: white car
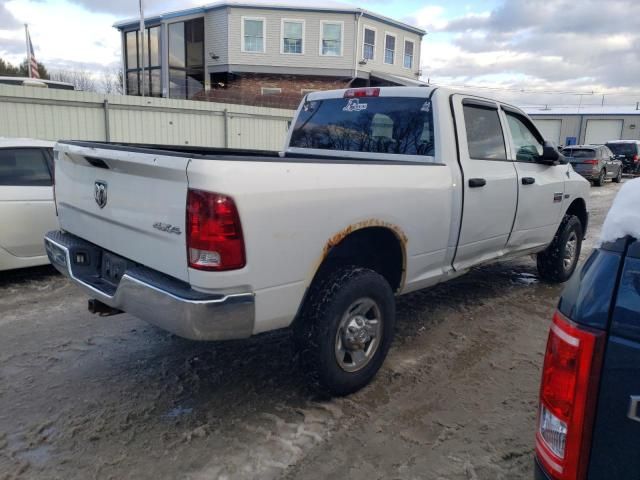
x,y
379,191
27,209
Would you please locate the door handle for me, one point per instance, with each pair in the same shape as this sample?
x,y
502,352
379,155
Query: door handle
x,y
477,182
528,180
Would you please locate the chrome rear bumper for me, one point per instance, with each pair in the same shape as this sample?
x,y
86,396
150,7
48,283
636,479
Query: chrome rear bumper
x,y
152,296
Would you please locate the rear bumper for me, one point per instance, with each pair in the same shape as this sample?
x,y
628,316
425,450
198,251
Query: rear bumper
x,y
589,174
154,297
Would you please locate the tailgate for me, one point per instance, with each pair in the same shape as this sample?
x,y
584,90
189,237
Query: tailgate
x,y
127,202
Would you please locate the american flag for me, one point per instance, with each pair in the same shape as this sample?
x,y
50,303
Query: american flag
x,y
31,57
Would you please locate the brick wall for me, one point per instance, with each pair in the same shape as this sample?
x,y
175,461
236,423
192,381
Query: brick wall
x,y
258,89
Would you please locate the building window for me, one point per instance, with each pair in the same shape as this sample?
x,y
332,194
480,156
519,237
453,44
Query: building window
x,y
408,54
369,48
186,58
253,35
134,62
293,36
270,91
331,40
389,49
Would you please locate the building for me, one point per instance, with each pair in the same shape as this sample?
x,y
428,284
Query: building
x,y
242,52
587,124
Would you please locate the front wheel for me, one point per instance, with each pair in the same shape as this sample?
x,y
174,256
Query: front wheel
x,y
618,178
346,328
558,262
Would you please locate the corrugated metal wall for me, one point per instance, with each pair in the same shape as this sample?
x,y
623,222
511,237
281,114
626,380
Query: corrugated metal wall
x,y
59,114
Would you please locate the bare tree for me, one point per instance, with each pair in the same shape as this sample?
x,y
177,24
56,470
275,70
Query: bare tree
x,y
81,79
111,82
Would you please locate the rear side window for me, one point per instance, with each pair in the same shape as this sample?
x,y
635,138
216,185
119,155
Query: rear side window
x,y
395,125
623,148
579,153
484,133
24,167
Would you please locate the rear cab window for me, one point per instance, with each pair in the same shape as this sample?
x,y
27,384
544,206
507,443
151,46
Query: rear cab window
x,y
372,125
25,167
579,153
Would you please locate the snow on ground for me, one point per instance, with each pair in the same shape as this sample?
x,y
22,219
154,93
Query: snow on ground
x,y
624,217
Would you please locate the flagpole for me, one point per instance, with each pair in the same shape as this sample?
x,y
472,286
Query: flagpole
x,y
26,37
142,49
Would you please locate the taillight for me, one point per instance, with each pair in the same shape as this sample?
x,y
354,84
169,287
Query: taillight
x,y
214,233
567,398
362,92
635,158
591,162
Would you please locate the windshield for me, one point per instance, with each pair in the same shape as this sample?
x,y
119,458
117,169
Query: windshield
x,y
579,153
623,148
396,125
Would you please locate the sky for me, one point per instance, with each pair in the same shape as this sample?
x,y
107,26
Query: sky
x,y
526,51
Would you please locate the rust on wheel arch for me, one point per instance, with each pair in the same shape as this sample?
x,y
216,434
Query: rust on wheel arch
x,y
345,232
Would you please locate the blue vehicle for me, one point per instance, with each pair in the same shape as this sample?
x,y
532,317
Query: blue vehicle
x,y
589,412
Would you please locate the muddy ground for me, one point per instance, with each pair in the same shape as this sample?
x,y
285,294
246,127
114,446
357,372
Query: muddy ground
x,y
86,397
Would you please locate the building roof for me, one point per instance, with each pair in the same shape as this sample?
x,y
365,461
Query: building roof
x,y
327,6
560,110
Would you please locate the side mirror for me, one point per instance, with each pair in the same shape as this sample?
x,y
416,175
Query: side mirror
x,y
551,155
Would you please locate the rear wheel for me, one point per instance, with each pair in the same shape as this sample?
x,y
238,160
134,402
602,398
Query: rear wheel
x,y
618,177
558,262
346,328
601,178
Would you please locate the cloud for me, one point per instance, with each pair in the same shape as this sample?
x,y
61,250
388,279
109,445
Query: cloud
x,y
547,43
7,20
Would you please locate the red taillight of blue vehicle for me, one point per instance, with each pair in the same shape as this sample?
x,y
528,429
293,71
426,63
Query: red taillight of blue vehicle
x,y
570,376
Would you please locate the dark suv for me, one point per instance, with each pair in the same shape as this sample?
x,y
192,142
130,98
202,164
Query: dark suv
x,y
628,152
596,163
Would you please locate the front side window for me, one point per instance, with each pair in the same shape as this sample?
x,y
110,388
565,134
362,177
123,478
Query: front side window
x,y
484,133
253,40
331,39
292,36
369,50
408,54
392,125
528,146
135,59
24,167
389,49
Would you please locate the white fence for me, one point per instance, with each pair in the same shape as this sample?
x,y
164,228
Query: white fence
x,y
49,114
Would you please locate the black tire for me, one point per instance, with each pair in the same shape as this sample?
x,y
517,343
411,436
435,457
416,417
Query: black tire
x,y
551,262
598,182
326,307
618,177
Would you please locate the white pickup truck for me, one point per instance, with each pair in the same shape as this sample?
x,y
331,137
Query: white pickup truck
x,y
378,192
